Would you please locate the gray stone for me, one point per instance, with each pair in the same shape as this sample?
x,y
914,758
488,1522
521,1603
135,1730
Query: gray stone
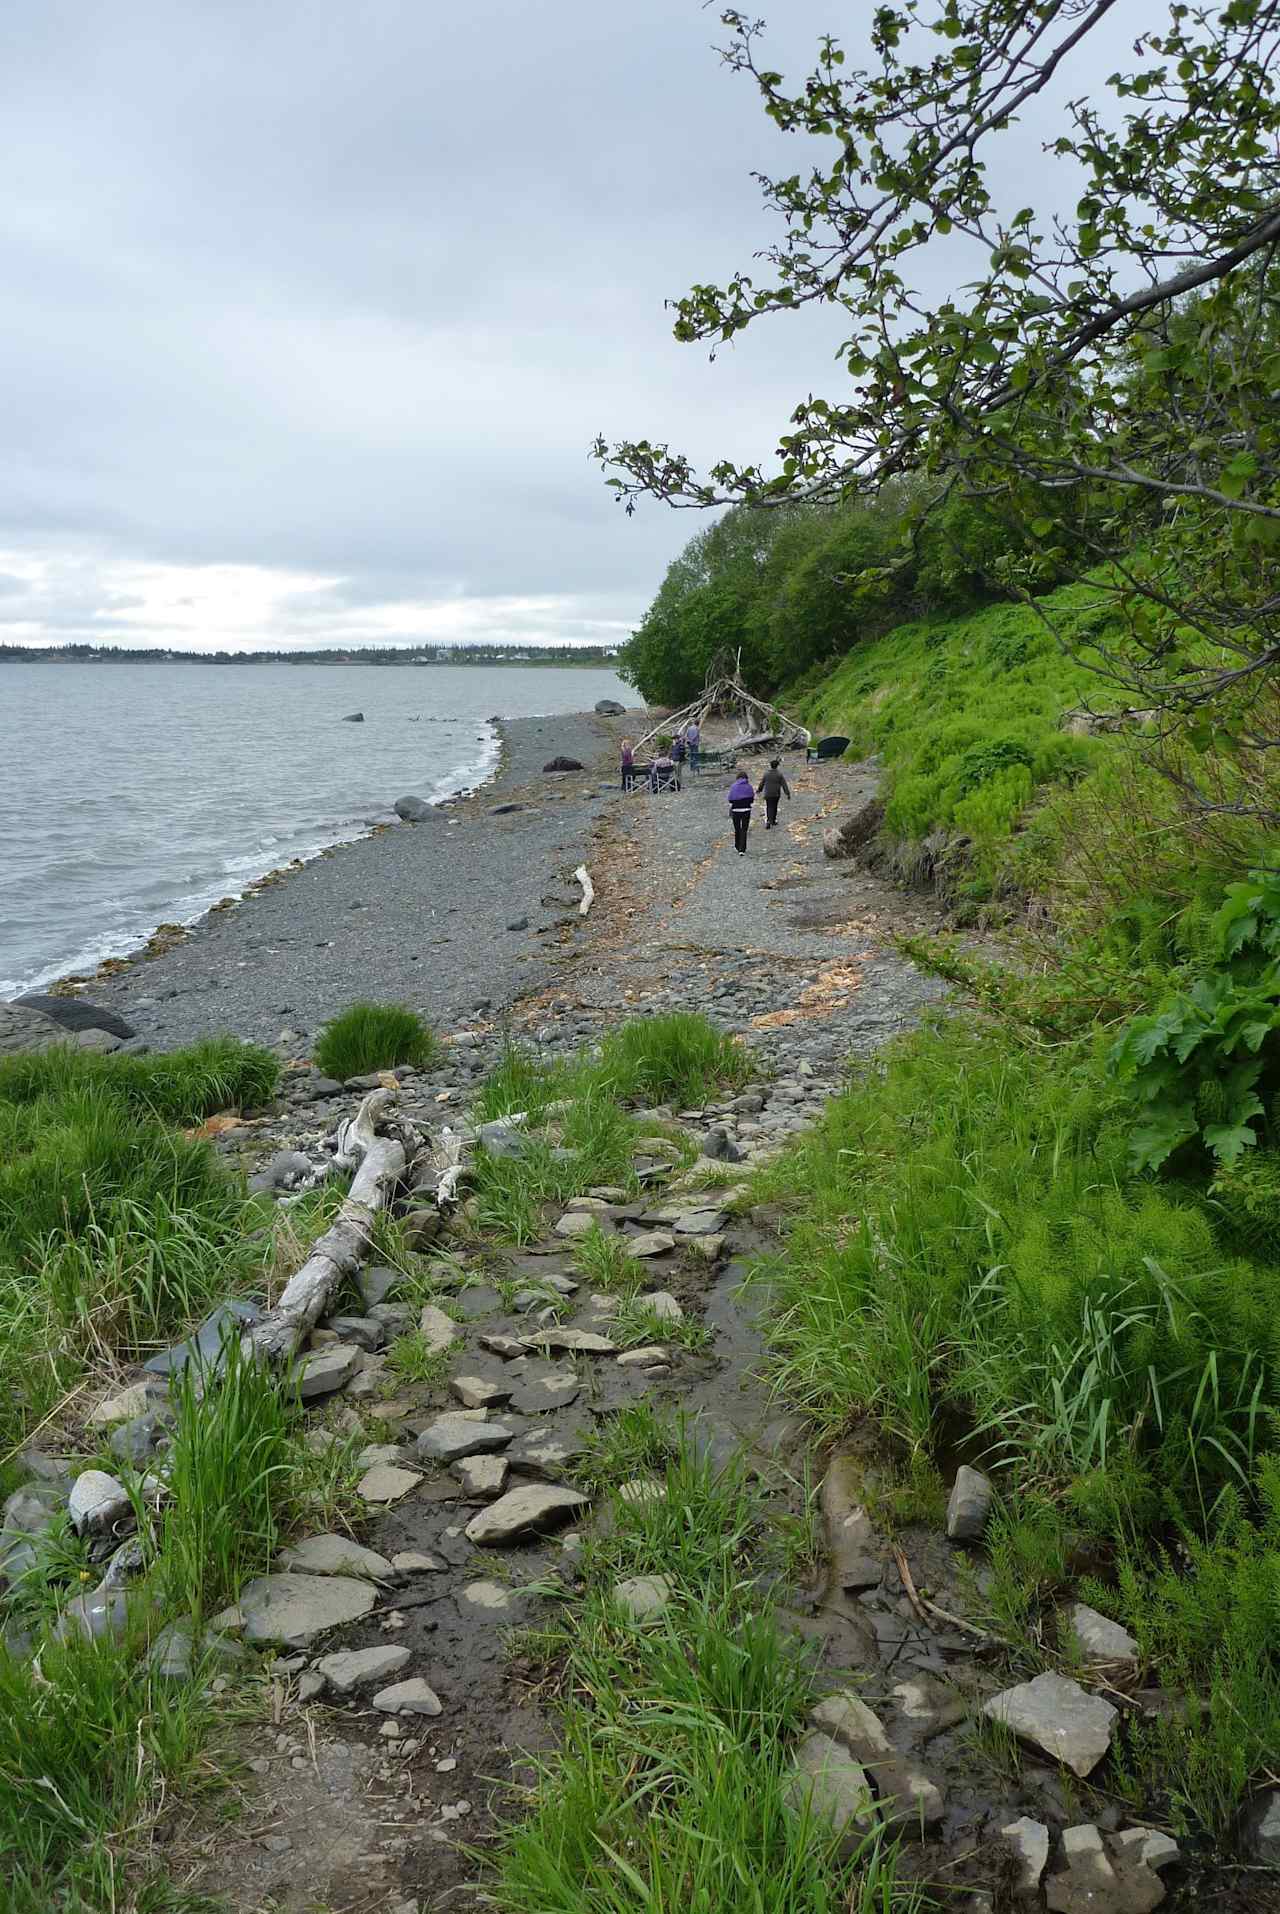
x,y
439,1331
524,1511
414,810
27,1515
574,1223
458,1434
1087,1883
138,1440
1059,1717
610,708
412,1697
376,1283
1154,1849
384,1483
478,1392
969,1506
833,1788
125,1566
543,1387
101,1615
97,1503
547,1456
661,1304
1029,1841
1101,1640
643,1598
336,1555
324,1371
1262,1829
700,1223
413,1562
205,1347
483,1477
121,1407
577,1342
506,1346
291,1610
354,1668
909,1799
475,1300
489,1598
396,1318
653,1242
366,1332
284,1171
848,1720
172,1655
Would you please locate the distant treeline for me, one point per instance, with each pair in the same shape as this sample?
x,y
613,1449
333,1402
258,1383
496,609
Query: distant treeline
x,y
371,655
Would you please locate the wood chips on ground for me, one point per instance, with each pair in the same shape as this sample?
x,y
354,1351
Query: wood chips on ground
x,y
830,990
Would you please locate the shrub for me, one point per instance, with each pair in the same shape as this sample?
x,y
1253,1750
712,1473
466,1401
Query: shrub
x,y
678,1058
369,1037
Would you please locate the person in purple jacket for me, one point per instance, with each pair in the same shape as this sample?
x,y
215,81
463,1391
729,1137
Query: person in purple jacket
x,y
742,794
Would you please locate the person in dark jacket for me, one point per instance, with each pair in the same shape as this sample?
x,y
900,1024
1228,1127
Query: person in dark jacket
x,y
742,795
772,787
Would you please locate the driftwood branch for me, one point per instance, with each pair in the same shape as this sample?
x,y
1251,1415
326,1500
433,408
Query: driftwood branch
x,y
340,1251
446,1160
588,889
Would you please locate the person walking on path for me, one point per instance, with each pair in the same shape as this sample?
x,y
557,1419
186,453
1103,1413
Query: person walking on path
x,y
693,739
742,795
772,787
678,751
628,764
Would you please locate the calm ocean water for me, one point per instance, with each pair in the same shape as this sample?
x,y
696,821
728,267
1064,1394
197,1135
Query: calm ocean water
x,y
138,794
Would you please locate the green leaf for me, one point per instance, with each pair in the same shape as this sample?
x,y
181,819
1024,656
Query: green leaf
x,y
1229,1141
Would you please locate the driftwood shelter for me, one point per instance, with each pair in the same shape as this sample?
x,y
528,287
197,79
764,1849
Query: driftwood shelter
x,y
724,695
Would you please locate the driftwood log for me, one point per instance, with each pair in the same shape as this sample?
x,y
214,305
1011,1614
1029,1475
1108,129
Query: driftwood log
x,y
588,889
342,1249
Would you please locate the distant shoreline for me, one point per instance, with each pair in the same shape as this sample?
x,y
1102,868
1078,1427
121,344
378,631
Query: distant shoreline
x,y
423,658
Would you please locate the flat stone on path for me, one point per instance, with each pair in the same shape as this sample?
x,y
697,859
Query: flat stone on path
x,y
643,1598
575,1223
507,1346
578,1342
652,1242
412,1697
662,1304
457,1433
291,1610
413,1562
1099,1639
386,1483
490,1598
835,1790
544,1454
438,1331
542,1387
848,1720
700,1223
641,1358
478,1392
361,1667
336,1555
524,1511
482,1476
1059,1717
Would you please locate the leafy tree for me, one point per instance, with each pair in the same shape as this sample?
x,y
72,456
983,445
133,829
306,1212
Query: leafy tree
x,y
1110,382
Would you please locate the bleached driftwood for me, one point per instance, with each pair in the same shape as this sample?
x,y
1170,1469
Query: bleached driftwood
x,y
355,1134
588,889
758,722
446,1158
340,1251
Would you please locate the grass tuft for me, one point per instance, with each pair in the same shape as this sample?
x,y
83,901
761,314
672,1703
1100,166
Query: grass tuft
x,y
368,1037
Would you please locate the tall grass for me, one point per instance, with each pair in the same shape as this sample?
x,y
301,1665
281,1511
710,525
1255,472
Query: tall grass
x,y
181,1085
368,1037
678,1058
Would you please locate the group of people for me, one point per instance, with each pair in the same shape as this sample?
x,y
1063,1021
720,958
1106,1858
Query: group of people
x,y
666,772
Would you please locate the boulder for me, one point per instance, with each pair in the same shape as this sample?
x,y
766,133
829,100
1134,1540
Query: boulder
x,y
458,1433
324,1371
1060,1718
970,1505
27,1515
610,708
563,764
291,1610
522,1512
336,1555
662,1304
414,810
74,1014
100,1615
386,1483
833,1788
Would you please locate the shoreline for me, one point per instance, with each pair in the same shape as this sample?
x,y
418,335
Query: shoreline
x,y
454,915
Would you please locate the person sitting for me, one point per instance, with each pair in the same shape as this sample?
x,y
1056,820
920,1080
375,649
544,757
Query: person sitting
x,y
662,771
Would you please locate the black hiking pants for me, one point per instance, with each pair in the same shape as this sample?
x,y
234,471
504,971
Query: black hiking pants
x,y
741,825
771,811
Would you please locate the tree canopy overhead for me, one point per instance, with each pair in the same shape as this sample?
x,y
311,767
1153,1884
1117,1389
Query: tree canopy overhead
x,y
1111,380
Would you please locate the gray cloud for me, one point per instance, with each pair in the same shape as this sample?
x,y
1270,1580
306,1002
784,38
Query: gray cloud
x,y
344,293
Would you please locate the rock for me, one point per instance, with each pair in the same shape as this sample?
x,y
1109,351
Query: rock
x,y
490,1598
848,1720
1262,1829
122,1407
717,1147
395,1318
284,1171
97,1502
456,1434
653,1242
101,1615
140,1439
700,1223
970,1505
662,1304
172,1654
575,1223
506,1346
385,1483
422,1228
610,708
543,1387
548,1457
76,1014
1057,1716
475,1300
291,1610
361,1667
1086,1882
125,1565
477,1392
709,1248
518,923
482,1476
439,1331
562,764
1101,1640
642,1358
336,1555
411,1697
579,1342
833,1789
354,717
324,1371
25,1031
27,1515
929,1705
908,1798
413,1562
414,810
504,810
851,1537
643,1598
524,1511
205,1347
366,1332
376,1282
1029,1841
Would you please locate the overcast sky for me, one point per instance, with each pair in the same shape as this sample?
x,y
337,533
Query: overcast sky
x,y
311,311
